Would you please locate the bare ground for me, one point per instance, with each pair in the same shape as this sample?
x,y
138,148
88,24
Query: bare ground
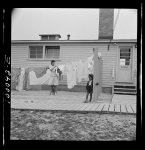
x,y
48,125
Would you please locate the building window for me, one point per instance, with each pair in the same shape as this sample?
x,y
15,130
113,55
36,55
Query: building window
x,y
36,52
52,52
125,56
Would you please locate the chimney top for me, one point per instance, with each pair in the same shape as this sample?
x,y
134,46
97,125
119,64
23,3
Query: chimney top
x,y
68,36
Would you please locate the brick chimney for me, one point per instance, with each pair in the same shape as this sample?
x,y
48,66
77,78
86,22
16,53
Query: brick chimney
x,y
106,19
46,37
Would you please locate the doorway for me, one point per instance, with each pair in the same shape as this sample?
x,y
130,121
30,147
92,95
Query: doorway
x,y
124,65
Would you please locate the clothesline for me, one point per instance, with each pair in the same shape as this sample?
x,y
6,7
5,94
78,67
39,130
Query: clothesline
x,y
75,72
89,64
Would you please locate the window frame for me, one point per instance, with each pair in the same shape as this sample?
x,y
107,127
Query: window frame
x,y
29,52
130,57
51,58
43,55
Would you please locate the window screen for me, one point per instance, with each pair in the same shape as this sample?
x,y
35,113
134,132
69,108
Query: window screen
x,y
52,52
36,52
125,56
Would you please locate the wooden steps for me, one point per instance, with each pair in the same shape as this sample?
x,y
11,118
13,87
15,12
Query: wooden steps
x,y
125,88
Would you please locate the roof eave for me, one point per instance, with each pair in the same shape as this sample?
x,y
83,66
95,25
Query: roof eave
x,y
76,41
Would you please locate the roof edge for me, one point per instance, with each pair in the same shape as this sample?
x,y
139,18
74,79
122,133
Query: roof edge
x,y
73,41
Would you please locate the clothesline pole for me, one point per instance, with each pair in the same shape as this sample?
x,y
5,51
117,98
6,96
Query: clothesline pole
x,y
97,78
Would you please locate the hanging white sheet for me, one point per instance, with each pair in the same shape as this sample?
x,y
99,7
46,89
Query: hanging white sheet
x,y
19,87
90,65
62,68
39,81
79,71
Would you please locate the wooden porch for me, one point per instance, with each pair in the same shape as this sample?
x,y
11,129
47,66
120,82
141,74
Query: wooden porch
x,y
68,101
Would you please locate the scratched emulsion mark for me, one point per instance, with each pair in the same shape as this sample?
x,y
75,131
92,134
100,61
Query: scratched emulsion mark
x,y
6,91
7,79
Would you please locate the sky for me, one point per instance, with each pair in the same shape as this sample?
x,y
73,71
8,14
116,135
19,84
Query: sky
x,y
81,24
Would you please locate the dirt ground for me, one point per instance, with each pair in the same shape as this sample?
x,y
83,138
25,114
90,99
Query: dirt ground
x,y
48,125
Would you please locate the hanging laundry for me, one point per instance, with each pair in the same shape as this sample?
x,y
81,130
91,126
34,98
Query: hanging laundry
x,y
25,79
90,64
75,66
39,81
39,71
82,71
91,60
85,71
26,85
62,68
19,87
15,73
59,74
74,74
69,75
79,71
65,70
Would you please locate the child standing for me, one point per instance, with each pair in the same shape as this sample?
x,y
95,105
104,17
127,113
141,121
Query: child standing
x,y
89,88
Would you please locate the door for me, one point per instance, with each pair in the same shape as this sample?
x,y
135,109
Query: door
x,y
124,66
97,81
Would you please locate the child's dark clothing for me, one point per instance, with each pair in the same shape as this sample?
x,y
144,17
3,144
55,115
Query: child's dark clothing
x,y
89,86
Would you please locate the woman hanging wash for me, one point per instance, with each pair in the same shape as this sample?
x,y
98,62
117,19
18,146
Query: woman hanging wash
x,y
54,77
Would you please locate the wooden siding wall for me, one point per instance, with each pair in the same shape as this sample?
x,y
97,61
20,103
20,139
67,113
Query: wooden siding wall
x,y
109,58
69,53
19,56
